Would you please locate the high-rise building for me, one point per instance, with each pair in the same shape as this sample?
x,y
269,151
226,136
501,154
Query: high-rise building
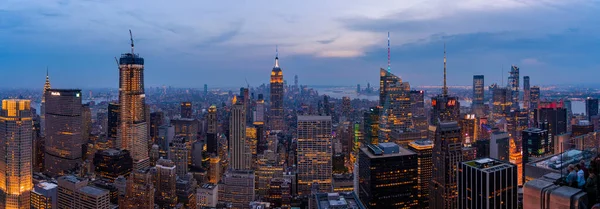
x,y
156,120
187,128
388,176
86,122
237,188
394,97
371,125
314,153
112,163
513,80
139,193
591,107
214,169
487,183
536,143
211,131
444,107
534,96
113,122
240,152
133,131
164,180
552,117
276,103
63,131
186,191
265,171
447,153
43,105
499,146
186,110
259,112
44,196
478,91
74,192
469,127
423,148
208,195
178,152
502,102
16,127
526,93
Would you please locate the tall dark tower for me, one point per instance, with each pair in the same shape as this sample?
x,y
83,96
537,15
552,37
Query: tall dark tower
x,y
526,93
444,107
447,153
513,80
276,112
133,134
478,90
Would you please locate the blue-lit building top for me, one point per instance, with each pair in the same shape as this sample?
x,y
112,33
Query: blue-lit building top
x,y
129,58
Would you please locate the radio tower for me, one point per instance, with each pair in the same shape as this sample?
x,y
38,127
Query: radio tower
x,y
445,88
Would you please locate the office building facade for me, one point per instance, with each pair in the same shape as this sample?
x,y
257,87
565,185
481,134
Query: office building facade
x,y
63,132
314,153
112,163
487,183
16,127
276,113
423,148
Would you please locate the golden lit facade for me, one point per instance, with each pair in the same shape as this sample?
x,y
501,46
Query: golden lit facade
x,y
16,126
423,148
139,193
314,154
133,132
276,107
394,97
516,158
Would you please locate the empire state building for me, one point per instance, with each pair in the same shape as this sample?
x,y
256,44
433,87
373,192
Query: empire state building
x,y
276,112
133,132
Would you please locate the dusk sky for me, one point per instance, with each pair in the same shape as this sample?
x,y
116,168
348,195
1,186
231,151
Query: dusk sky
x,y
187,43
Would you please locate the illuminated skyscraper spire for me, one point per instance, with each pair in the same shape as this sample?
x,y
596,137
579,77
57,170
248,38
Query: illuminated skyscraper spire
x,y
388,69
47,84
276,56
445,88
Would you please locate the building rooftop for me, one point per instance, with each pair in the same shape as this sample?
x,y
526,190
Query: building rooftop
x,y
71,178
488,164
420,144
208,186
389,149
47,185
93,191
559,162
313,117
342,200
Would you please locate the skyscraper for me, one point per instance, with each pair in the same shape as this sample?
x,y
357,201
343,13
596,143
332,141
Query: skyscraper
x,y
536,143
237,188
444,107
276,103
499,146
447,153
43,105
552,117
487,183
165,178
178,153
513,80
63,131
501,98
156,120
112,163
186,110
314,153
139,193
16,126
423,148
478,91
259,112
74,192
534,96
113,122
526,93
211,131
371,125
591,107
44,196
388,176
133,132
240,154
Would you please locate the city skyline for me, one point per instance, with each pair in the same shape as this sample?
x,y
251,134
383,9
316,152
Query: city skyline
x,y
78,40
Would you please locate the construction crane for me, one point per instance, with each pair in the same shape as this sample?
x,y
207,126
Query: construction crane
x,y
131,38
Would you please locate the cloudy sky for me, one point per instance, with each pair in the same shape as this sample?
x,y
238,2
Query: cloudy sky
x,y
187,43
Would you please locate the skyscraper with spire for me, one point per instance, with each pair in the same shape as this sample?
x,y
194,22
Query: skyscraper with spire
x,y
133,132
394,98
513,82
276,107
43,105
444,107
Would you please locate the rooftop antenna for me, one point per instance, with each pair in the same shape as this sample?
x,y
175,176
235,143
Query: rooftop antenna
x,y
445,89
388,52
131,38
276,56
